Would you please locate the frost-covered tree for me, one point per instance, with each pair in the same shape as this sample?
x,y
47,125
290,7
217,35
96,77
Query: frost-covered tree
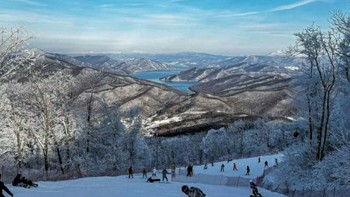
x,y
13,44
341,25
216,144
42,105
327,100
320,49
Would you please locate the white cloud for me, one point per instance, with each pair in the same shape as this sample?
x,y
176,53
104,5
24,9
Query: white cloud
x,y
30,17
31,2
238,14
293,5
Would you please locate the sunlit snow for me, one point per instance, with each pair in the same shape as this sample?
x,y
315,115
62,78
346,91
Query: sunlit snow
x,y
122,186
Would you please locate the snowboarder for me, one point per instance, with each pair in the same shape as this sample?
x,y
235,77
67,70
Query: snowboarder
x,y
17,181
130,171
222,168
144,173
23,182
151,179
266,164
165,172
259,160
234,166
192,192
29,183
205,166
248,170
3,187
255,192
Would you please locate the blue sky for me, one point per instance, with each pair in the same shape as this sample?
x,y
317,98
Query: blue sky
x,y
230,27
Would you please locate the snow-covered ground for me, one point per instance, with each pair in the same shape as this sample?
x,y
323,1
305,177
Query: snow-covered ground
x,y
122,186
256,169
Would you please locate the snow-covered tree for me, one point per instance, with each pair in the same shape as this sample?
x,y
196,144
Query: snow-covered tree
x,y
13,44
321,70
217,144
341,25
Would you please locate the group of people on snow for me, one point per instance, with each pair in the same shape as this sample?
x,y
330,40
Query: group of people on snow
x,y
20,181
154,177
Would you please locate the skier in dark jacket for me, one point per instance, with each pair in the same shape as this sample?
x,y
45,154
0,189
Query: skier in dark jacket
x,y
247,171
130,171
254,190
165,172
144,173
192,191
3,187
17,181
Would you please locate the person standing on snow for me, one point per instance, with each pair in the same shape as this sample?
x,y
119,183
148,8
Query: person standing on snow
x,y
130,171
190,170
192,192
266,164
165,172
3,187
234,166
222,168
248,171
154,172
144,173
173,170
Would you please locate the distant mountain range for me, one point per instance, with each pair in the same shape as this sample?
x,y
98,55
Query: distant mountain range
x,y
182,60
127,67
239,91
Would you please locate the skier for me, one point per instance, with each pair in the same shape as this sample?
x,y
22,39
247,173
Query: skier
x,y
234,166
255,192
144,173
266,164
165,172
190,170
248,171
205,166
3,187
222,168
192,192
130,171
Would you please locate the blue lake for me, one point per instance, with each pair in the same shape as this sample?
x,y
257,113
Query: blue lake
x,y
156,75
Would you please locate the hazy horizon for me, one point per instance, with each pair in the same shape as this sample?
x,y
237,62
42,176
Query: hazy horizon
x,y
166,26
